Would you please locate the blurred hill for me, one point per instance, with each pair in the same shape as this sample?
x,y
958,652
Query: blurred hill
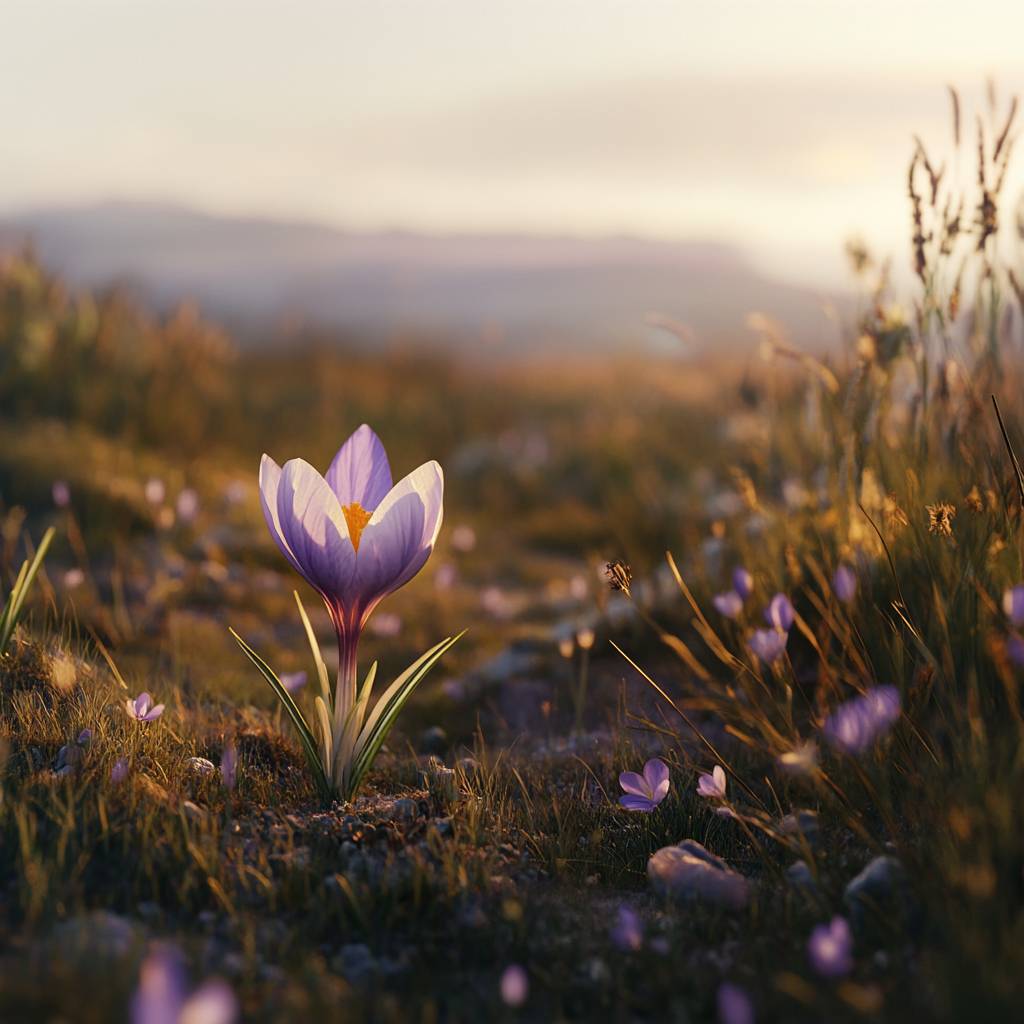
x,y
512,294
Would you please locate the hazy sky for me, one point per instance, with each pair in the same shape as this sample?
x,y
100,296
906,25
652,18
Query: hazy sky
x,y
784,124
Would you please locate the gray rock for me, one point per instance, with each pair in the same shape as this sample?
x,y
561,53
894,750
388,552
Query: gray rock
x,y
405,809
433,740
201,766
354,962
99,934
800,878
880,889
689,872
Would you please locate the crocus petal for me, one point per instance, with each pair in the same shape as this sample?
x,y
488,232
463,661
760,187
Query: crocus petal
x,y
212,1003
142,704
636,803
314,527
153,713
718,775
636,784
360,471
270,483
656,777
399,537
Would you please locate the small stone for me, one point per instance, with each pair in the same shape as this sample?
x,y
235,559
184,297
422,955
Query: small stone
x,y
354,962
433,740
689,872
201,766
881,888
800,878
405,809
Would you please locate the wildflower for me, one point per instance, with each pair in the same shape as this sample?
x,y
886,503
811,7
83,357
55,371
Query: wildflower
x,y
619,576
463,538
229,765
734,1005
768,644
713,786
729,604
940,519
293,681
187,505
830,948
155,491
142,709
61,493
973,500
779,613
742,582
515,986
120,771
585,639
445,577
84,738
645,792
162,995
356,539
1013,604
844,584
566,646
857,724
73,578
628,931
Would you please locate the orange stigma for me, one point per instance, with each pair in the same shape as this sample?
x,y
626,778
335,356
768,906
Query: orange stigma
x,y
357,517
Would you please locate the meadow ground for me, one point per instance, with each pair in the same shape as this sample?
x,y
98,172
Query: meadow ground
x,y
867,721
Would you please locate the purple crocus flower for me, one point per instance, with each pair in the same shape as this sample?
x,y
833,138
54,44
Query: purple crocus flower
x,y
61,493
142,709
353,536
779,613
645,792
120,771
844,584
515,986
229,765
187,505
1013,604
857,724
830,948
713,786
628,931
162,996
729,604
734,1005
742,582
293,681
768,644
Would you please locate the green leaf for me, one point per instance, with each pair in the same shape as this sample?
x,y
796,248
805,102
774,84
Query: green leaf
x,y
16,599
318,660
387,708
305,735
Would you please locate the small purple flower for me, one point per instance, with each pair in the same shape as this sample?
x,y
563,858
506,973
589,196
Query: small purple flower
x,y
713,786
155,491
187,505
73,578
742,582
515,986
857,724
1013,604
779,613
386,625
84,738
628,931
120,771
734,1005
844,584
645,792
293,681
768,644
729,604
61,493
229,766
162,995
142,709
463,538
830,948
